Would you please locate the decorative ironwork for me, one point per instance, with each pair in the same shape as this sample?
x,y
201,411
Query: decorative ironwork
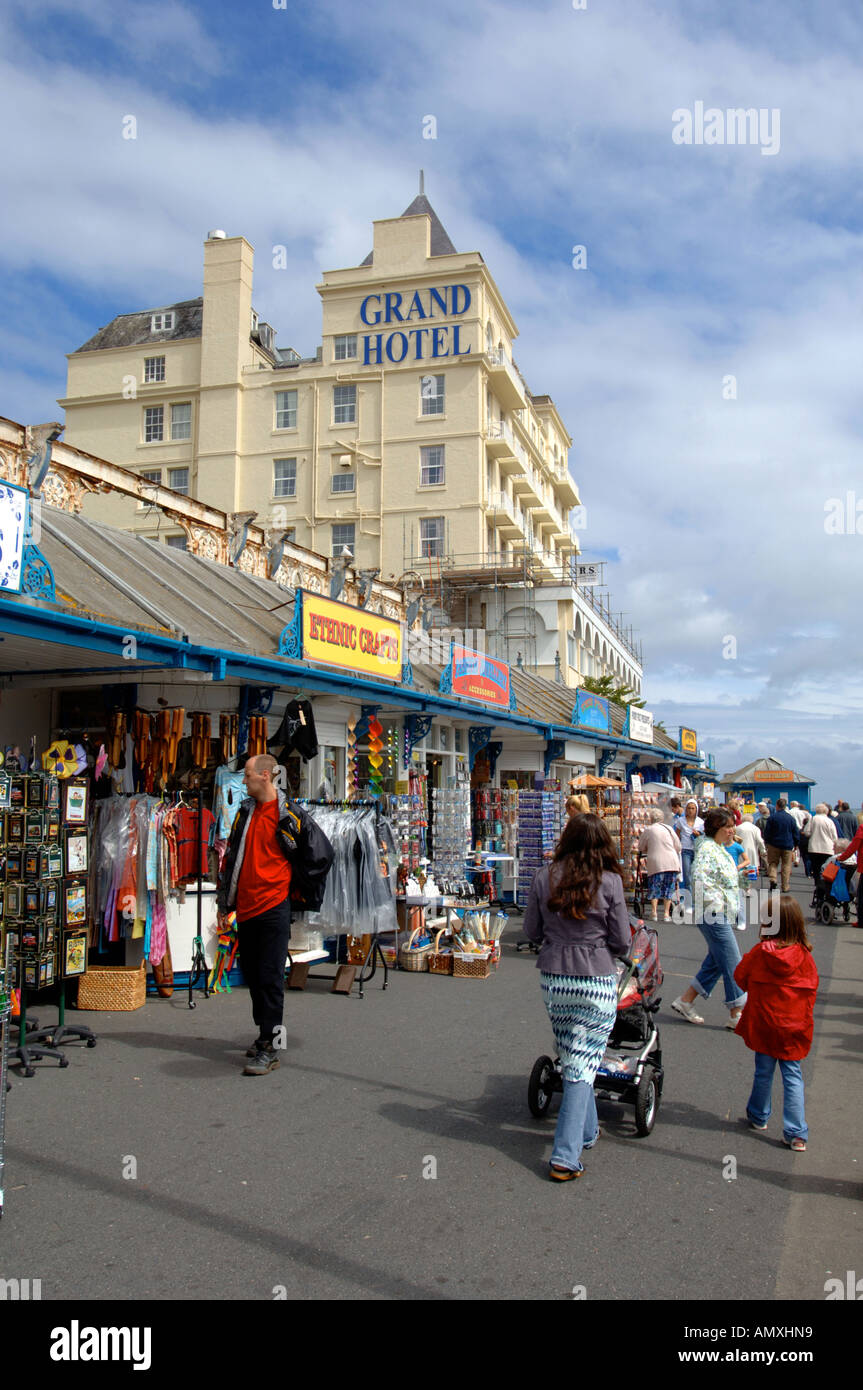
x,y
407,672
606,758
554,749
291,636
478,737
417,727
37,579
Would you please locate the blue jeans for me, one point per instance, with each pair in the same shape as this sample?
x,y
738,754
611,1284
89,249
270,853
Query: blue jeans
x,y
758,1106
577,1125
687,856
722,957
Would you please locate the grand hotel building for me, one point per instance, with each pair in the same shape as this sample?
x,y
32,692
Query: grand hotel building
x,y
409,437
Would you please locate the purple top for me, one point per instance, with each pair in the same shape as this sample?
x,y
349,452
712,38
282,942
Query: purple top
x,y
572,947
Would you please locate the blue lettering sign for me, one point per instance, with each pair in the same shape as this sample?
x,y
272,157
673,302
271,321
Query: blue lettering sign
x,y
364,313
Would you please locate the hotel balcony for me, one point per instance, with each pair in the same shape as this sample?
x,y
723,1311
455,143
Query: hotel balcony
x,y
566,488
501,513
499,444
504,380
529,487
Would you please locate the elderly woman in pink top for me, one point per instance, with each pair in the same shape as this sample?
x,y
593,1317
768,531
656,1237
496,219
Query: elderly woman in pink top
x,y
659,847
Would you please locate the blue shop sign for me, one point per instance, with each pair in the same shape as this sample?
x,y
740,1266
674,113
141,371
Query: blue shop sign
x,y
591,712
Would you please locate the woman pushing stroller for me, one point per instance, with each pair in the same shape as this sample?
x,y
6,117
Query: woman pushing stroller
x,y
576,912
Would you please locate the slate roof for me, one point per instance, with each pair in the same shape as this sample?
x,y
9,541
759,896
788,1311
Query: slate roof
x,y
744,774
440,242
128,330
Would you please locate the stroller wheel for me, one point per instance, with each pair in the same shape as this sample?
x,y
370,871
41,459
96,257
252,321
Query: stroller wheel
x,y
541,1086
825,913
646,1102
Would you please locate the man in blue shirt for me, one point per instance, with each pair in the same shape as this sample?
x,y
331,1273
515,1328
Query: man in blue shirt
x,y
781,837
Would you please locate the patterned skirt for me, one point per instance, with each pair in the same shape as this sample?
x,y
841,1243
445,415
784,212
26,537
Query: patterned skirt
x,y
582,1009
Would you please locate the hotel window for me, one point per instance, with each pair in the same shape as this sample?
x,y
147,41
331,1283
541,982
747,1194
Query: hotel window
x,y
432,466
345,347
343,482
177,542
432,395
178,480
152,475
286,410
431,537
181,420
344,534
285,478
154,369
161,323
344,405
154,424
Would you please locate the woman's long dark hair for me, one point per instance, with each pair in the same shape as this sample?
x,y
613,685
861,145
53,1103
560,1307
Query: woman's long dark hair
x,y
584,852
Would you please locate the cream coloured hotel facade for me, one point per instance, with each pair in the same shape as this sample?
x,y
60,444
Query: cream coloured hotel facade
x,y
410,437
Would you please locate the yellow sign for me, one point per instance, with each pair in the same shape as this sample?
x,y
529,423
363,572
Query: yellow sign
x,y
340,635
688,741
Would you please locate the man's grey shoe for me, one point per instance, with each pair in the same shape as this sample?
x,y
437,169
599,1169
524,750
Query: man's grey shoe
x,y
254,1049
264,1060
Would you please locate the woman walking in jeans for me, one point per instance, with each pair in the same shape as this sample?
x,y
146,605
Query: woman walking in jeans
x,y
716,902
576,912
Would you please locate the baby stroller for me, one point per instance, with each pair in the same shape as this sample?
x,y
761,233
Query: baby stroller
x,y
631,1070
831,891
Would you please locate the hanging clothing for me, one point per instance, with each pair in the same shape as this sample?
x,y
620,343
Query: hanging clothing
x,y
229,793
296,731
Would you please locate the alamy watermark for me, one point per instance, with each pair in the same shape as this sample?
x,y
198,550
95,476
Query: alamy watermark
x,y
736,126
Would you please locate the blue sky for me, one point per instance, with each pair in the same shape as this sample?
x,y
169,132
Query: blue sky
x,y
300,126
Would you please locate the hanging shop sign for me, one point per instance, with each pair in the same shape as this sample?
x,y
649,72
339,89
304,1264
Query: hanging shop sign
x,y
591,712
639,725
475,676
587,573
688,741
708,790
13,533
414,342
785,775
337,634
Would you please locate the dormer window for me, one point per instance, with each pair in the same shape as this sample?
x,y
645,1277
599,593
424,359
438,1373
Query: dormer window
x,y
161,323
254,322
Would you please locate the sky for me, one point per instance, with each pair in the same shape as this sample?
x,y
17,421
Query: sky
x,y
706,357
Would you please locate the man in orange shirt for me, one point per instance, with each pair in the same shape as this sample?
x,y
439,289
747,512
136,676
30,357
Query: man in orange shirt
x,y
256,880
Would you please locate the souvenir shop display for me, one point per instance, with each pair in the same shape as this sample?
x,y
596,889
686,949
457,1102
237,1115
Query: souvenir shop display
x,y
606,797
494,820
43,899
636,818
408,815
450,831
539,827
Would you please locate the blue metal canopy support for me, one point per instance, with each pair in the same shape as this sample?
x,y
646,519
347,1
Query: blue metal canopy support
x,y
606,758
37,578
554,749
494,751
478,736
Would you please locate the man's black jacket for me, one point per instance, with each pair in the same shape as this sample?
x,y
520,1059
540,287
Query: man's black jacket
x,y
303,844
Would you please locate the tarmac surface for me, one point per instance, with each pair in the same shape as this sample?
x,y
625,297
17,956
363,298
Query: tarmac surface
x,y
309,1182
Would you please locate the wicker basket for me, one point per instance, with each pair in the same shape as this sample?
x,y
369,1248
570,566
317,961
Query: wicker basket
x,y
471,967
410,959
440,962
113,988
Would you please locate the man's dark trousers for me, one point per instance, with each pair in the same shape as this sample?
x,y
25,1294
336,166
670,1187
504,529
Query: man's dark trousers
x,y
263,943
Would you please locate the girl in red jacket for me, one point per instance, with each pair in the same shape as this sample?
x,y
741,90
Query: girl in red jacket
x,y
781,982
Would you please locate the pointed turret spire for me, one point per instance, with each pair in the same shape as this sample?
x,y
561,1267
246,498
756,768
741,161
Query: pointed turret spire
x,y
440,242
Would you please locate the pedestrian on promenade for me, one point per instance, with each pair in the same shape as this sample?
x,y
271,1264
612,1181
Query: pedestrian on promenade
x,y
753,842
781,980
732,804
689,827
763,813
822,839
804,841
577,805
659,847
781,837
272,844
847,821
577,914
715,905
856,848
